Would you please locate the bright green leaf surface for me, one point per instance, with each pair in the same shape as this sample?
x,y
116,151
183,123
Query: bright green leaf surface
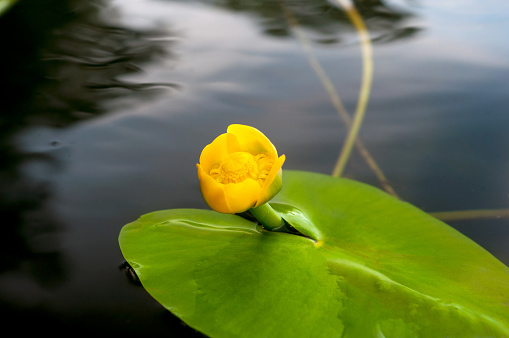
x,y
372,267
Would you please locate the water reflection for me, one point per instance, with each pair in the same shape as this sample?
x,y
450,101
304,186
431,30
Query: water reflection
x,y
326,21
64,64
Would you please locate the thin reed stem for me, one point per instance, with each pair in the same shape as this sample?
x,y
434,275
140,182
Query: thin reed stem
x,y
470,214
367,78
334,97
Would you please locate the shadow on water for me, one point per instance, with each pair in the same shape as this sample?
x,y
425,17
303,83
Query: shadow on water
x,y
62,62
326,21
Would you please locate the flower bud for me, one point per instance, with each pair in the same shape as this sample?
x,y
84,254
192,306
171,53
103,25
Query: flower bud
x,y
239,170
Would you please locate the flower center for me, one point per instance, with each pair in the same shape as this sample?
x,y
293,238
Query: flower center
x,y
239,166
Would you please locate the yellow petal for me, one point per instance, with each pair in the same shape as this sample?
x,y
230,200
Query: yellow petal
x,y
252,140
215,152
213,192
242,196
273,183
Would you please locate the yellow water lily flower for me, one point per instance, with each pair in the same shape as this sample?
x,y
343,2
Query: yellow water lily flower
x,y
239,170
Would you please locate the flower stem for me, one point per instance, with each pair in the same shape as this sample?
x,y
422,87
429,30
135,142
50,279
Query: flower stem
x,y
267,216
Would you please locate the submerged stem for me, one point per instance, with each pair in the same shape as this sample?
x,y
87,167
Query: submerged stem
x,y
470,214
267,216
367,77
335,99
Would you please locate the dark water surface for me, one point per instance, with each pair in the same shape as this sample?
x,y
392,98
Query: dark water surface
x,y
107,105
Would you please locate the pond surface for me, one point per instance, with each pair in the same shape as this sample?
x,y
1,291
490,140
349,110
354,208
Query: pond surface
x,y
108,104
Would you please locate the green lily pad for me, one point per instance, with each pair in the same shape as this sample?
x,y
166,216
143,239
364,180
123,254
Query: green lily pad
x,y
367,265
